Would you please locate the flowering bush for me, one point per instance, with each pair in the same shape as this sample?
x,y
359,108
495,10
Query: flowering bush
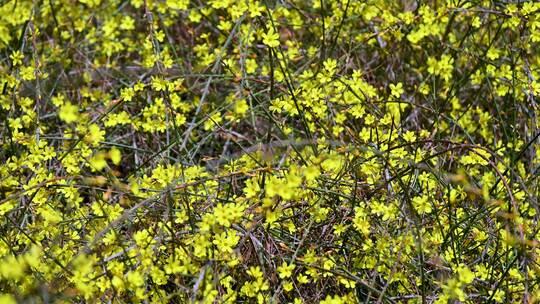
x,y
257,151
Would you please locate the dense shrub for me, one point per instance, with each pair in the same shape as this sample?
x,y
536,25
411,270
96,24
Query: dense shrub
x,y
292,151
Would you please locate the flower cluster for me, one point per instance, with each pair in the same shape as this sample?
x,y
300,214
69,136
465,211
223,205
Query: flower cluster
x,y
292,151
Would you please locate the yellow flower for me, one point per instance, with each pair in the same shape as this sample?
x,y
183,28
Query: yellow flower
x,y
288,286
466,276
285,270
7,299
127,94
421,204
397,89
115,155
302,279
178,4
135,278
271,38
350,284
226,241
311,172
94,135
252,188
69,112
12,268
409,136
16,57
